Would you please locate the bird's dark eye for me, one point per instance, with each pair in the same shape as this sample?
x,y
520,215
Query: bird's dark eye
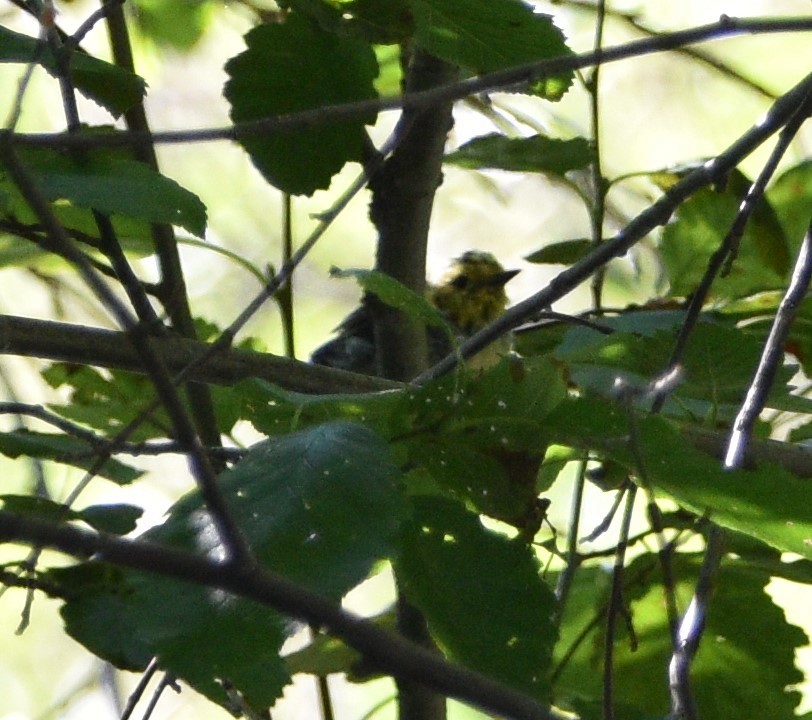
x,y
461,282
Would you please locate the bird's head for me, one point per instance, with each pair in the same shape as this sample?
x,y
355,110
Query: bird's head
x,y
472,292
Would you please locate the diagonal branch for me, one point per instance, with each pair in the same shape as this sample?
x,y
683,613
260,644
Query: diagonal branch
x,y
657,214
386,650
503,79
141,342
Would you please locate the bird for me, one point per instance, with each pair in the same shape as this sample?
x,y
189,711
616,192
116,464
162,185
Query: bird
x,y
470,295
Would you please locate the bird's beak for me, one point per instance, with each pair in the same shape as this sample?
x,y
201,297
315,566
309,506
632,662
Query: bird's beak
x,y
503,278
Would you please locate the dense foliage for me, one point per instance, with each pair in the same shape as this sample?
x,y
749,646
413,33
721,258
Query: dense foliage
x,y
667,416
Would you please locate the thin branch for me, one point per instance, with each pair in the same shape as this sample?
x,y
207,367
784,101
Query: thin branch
x,y
616,607
693,623
772,355
567,576
284,295
597,209
141,341
27,337
82,345
657,214
518,76
166,681
722,259
99,443
386,650
283,276
691,630
700,56
139,689
171,287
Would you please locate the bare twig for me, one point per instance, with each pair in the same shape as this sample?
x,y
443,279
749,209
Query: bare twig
x,y
140,688
632,19
725,27
723,257
616,607
693,623
597,210
771,356
567,576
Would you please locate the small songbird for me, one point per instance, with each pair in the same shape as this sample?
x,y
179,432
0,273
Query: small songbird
x,y
470,295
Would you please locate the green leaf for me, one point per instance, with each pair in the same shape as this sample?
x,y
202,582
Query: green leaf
x,y
699,228
319,506
16,247
64,449
531,154
717,365
396,295
567,252
489,36
767,503
112,87
117,186
326,655
480,593
107,402
179,24
791,197
461,469
284,71
735,669
505,406
756,313
38,507
275,411
119,519
383,22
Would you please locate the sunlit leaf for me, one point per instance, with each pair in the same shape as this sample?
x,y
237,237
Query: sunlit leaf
x,y
115,185
735,668
110,86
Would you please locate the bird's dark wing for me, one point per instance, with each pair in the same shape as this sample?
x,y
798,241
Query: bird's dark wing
x,y
353,348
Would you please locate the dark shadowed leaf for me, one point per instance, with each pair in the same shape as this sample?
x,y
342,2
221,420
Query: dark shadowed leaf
x,y
274,77
488,36
319,506
481,594
531,154
117,519
746,658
